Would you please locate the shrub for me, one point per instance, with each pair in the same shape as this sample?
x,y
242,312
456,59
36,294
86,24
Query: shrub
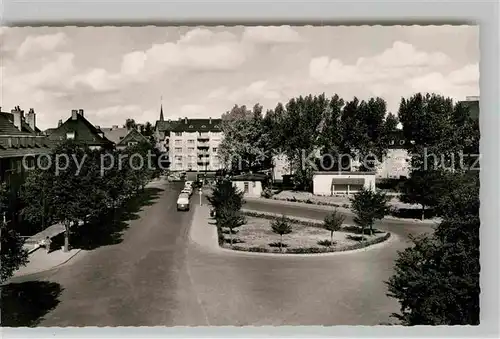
x,y
355,237
267,193
333,222
278,244
281,226
326,243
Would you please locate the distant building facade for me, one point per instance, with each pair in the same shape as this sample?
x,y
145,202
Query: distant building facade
x,y
123,137
191,144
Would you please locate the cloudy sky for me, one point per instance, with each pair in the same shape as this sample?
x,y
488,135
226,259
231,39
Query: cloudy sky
x,y
119,72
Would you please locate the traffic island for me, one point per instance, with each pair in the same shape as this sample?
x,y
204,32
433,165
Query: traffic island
x,y
307,236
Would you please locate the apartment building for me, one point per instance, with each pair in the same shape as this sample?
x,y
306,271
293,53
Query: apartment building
x,y
192,144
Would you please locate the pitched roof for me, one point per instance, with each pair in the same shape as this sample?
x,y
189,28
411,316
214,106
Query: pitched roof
x,y
85,132
7,127
115,135
25,127
132,136
198,125
163,126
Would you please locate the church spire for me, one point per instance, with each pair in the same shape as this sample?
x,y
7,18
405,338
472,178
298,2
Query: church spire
x,y
161,110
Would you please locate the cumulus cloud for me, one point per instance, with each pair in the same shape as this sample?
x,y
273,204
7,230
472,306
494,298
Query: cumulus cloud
x,y
271,34
457,84
256,91
398,61
197,50
41,43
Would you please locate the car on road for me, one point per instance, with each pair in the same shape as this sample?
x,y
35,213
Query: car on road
x,y
187,190
183,202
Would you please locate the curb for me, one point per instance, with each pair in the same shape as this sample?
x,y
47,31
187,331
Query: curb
x,y
215,247
48,269
329,208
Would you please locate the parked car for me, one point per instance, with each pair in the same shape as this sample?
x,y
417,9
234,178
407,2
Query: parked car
x,y
189,184
183,202
187,190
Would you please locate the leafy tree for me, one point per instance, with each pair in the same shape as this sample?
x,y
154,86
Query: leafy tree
x,y
12,253
231,219
301,127
130,124
333,223
424,188
36,198
369,206
281,226
225,195
245,144
69,192
436,281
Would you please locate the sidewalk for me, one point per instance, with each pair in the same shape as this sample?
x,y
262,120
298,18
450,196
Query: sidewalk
x,y
40,260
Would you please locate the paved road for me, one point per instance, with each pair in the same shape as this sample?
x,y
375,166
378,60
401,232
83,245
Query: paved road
x,y
156,276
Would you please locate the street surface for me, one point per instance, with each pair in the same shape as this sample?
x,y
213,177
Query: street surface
x,y
157,277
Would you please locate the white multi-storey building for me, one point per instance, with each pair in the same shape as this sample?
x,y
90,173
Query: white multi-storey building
x,y
192,144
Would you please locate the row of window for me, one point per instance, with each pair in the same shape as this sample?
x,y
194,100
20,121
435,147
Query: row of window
x,y
179,134
178,142
191,150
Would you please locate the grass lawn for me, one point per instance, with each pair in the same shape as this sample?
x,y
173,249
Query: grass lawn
x,y
257,233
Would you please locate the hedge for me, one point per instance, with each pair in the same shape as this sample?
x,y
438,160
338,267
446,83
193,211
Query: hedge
x,y
319,224
308,201
312,250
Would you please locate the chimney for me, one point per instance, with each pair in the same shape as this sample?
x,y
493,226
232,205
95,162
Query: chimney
x,y
31,119
97,126
59,124
17,114
186,120
114,127
210,120
74,114
80,111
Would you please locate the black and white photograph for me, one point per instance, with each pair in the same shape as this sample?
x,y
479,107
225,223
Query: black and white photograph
x,y
240,175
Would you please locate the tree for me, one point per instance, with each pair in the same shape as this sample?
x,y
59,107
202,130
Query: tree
x,y
231,219
12,253
333,223
281,226
369,206
225,195
436,281
245,144
130,124
301,127
70,190
36,198
424,188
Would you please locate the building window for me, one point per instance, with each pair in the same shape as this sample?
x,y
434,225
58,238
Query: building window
x,y
178,165
191,126
178,149
190,166
177,142
203,126
191,149
254,184
132,143
70,135
214,149
121,138
391,142
246,186
178,134
178,157
190,141
401,142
